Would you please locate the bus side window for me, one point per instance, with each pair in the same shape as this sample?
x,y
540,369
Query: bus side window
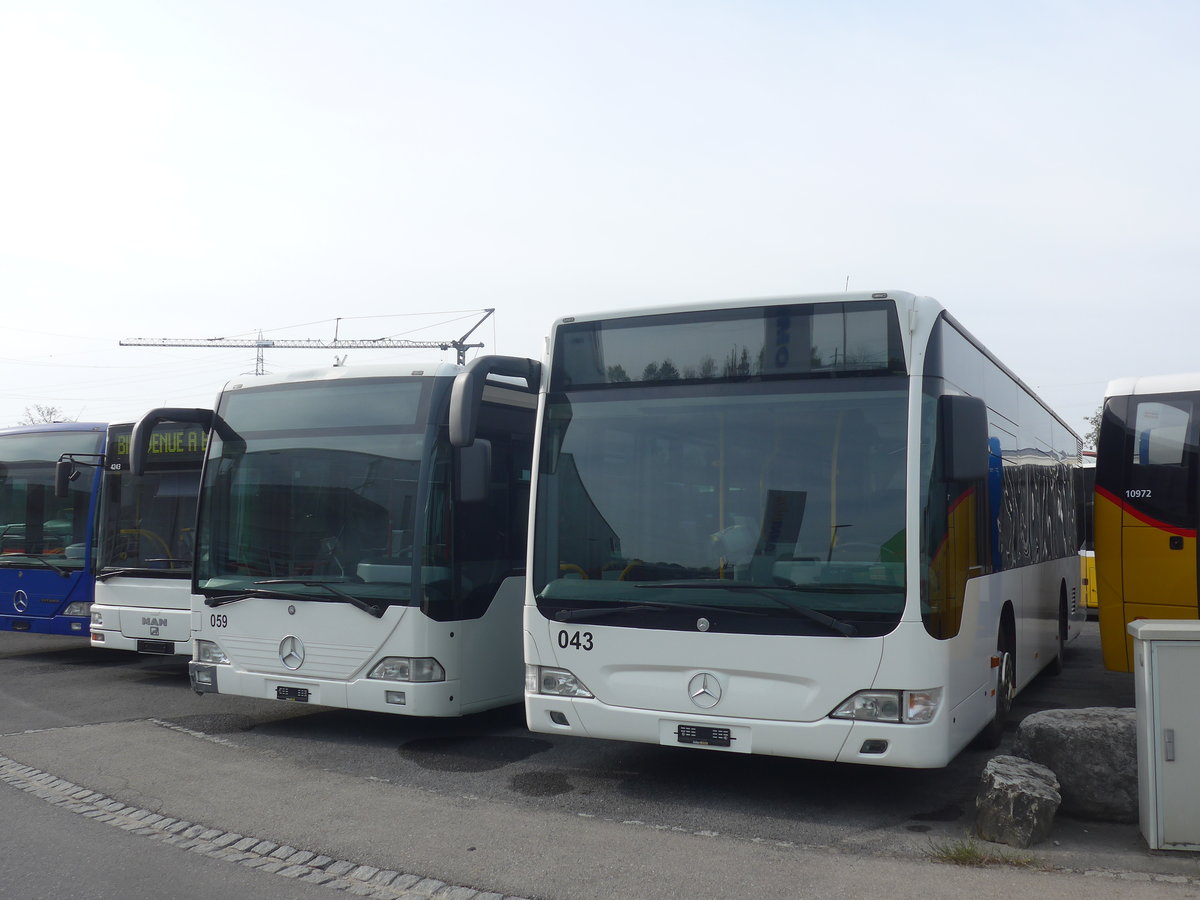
x,y
1164,455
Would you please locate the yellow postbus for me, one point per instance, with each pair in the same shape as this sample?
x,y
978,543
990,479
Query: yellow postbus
x,y
1084,493
1147,501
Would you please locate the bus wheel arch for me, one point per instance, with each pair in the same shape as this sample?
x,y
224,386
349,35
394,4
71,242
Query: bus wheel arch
x,y
1005,663
1055,666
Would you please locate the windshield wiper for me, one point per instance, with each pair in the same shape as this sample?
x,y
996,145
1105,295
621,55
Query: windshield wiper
x,y
840,587
61,570
144,571
112,573
586,612
570,615
761,590
357,602
223,599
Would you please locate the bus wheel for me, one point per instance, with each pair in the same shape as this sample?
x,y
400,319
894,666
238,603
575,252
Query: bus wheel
x,y
1006,690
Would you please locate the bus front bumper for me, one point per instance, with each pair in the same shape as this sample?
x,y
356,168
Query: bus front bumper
x,y
66,626
833,740
436,698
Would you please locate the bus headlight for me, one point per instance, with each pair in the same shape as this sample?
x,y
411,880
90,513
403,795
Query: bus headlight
x,y
208,652
97,618
78,608
554,682
408,668
907,707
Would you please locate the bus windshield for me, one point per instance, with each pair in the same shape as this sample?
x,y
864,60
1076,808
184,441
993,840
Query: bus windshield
x,y
751,505
37,528
147,522
326,491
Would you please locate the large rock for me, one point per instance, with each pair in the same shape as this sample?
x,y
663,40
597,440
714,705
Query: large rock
x,y
1016,803
1094,754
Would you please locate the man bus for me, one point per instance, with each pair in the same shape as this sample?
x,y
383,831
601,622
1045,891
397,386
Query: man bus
x,y
831,527
146,542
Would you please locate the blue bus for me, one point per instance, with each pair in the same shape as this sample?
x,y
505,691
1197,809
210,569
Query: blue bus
x,y
46,541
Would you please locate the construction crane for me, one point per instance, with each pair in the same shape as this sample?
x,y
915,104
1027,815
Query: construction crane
x,y
260,343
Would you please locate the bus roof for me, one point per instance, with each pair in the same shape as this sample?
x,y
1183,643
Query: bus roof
x,y
1153,384
56,426
333,373
700,306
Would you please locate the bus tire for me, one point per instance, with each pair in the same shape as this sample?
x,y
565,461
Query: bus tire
x,y
1006,688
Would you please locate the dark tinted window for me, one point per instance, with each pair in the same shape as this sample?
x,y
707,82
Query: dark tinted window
x,y
1148,456
785,340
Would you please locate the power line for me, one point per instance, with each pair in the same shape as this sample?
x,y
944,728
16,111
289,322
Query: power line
x,y
459,345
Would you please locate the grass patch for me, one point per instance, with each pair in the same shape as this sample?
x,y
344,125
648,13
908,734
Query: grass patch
x,y
970,852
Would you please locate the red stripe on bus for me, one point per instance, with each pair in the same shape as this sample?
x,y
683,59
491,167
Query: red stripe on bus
x,y
1142,517
960,500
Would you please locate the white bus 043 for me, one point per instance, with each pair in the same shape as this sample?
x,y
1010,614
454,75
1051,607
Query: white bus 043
x,y
830,527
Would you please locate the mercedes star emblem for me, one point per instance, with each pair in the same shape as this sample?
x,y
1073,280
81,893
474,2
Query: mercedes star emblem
x,y
20,601
704,690
291,652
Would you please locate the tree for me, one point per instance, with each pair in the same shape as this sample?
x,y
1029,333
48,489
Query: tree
x,y
667,371
40,414
1092,436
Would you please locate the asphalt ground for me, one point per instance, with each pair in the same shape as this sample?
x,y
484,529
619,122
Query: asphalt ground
x,y
229,783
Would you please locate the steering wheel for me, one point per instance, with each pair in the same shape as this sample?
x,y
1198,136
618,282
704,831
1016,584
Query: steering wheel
x,y
629,568
143,533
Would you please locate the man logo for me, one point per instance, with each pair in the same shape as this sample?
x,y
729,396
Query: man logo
x,y
291,652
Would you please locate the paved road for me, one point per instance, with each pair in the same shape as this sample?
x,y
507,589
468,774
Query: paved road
x,y
90,862
481,803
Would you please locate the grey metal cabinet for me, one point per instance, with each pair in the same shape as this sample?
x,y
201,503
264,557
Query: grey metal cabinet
x,y
1166,666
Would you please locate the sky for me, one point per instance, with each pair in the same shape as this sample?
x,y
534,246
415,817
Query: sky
x,y
391,168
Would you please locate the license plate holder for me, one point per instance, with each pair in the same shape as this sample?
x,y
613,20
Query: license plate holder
x,y
162,648
704,736
294,694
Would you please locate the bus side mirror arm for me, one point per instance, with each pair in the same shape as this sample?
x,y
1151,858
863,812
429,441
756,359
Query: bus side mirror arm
x,y
66,470
139,442
467,393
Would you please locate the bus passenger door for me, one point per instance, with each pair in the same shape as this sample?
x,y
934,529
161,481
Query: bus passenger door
x,y
957,525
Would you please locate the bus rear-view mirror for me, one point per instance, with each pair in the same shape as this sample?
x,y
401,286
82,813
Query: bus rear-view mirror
x,y
964,437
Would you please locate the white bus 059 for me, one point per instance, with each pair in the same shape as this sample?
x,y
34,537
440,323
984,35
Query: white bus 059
x,y
347,555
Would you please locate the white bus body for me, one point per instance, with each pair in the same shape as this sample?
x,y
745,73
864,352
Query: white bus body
x,y
145,542
347,556
707,477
